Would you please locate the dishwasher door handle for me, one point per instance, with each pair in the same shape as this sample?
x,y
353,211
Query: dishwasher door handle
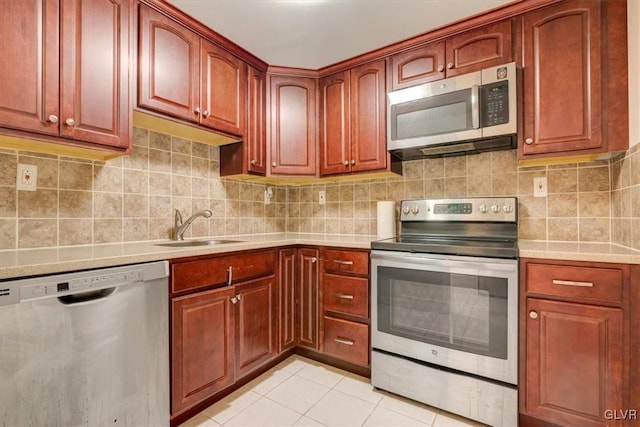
x,y
86,296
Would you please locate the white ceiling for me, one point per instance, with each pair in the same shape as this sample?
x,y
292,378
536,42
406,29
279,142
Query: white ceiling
x,y
316,33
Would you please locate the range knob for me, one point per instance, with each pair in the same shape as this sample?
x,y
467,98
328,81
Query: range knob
x,y
495,208
415,210
507,208
483,209
406,210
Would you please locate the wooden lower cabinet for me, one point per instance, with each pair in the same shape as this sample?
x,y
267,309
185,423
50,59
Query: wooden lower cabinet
x,y
574,344
574,362
286,298
346,340
202,346
306,296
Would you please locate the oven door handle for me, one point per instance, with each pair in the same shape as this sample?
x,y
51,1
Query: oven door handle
x,y
460,263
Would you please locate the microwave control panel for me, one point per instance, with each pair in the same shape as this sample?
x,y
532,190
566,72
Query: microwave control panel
x,y
495,104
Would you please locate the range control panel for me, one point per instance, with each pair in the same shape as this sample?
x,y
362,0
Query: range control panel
x,y
486,209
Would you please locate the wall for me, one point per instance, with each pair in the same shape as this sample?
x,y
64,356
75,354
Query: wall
x,y
130,198
578,206
626,198
633,28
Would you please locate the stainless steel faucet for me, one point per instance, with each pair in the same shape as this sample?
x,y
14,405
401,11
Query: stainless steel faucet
x,y
181,227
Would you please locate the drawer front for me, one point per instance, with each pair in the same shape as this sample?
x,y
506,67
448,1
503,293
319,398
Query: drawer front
x,y
347,295
213,271
353,262
347,340
592,283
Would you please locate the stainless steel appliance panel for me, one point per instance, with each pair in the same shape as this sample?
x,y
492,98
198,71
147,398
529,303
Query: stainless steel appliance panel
x,y
93,357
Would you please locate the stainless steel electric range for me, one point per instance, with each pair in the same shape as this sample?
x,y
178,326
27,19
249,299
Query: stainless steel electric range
x,y
444,307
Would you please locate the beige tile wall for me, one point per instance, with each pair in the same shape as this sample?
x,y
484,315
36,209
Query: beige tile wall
x,y
131,198
625,179
578,206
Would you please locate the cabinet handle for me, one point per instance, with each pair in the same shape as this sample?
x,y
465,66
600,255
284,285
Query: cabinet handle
x,y
441,68
314,260
197,110
528,141
341,262
53,118
70,122
346,162
253,161
205,114
344,341
450,65
353,162
230,276
234,300
239,296
274,164
533,315
572,283
344,296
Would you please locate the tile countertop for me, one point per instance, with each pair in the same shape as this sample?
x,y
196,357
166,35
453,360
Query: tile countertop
x,y
33,262
574,251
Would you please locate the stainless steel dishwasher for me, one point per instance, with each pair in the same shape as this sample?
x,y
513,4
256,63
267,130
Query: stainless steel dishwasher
x,y
86,348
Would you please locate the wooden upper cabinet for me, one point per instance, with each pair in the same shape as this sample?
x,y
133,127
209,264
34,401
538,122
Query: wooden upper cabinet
x,y
475,50
256,134
419,65
562,74
66,71
335,133
469,51
223,89
168,67
368,113
189,77
293,125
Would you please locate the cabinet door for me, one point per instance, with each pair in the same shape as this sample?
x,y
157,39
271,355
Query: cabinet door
x,y
307,298
423,64
95,66
202,346
255,323
287,298
368,112
293,130
573,362
29,65
223,90
562,78
474,50
256,135
168,66
335,135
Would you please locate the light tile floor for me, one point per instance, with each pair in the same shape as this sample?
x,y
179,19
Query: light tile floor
x,y
302,392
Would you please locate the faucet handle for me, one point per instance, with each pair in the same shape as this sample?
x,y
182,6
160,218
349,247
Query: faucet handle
x,y
178,217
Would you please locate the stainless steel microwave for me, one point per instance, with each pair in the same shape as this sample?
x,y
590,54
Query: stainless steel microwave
x,y
469,113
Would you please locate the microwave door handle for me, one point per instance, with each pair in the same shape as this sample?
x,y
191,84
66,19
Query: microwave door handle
x,y
475,106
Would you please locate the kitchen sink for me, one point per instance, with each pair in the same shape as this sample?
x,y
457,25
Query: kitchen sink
x,y
187,243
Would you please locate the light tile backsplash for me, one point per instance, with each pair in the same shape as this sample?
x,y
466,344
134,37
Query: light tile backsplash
x,y
133,198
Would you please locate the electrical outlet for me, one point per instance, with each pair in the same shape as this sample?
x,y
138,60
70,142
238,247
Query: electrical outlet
x,y
540,186
27,177
322,197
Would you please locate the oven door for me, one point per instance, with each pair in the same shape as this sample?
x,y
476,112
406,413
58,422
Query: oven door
x,y
452,311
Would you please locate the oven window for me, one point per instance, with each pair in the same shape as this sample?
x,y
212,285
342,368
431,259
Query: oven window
x,y
457,311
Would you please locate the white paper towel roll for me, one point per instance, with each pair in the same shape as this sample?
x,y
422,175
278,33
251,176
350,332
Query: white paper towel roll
x,y
386,219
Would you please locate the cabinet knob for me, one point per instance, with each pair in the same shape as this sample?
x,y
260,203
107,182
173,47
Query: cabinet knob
x,y
274,164
353,162
450,65
53,118
346,162
533,315
253,161
197,110
70,122
528,141
314,260
441,68
205,114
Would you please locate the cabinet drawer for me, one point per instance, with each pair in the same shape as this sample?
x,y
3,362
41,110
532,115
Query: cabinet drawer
x,y
347,340
592,283
354,262
212,271
347,295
